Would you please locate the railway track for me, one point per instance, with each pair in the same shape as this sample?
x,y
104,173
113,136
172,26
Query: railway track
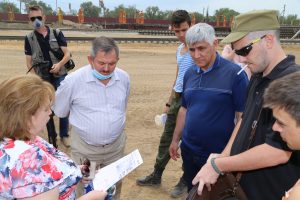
x,y
132,40
118,39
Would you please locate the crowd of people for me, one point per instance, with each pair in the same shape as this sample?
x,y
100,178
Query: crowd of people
x,y
213,109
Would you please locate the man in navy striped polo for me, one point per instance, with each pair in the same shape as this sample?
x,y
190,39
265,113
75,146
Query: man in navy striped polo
x,y
214,94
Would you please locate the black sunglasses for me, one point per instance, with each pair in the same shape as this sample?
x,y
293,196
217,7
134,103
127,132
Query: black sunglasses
x,y
244,51
37,17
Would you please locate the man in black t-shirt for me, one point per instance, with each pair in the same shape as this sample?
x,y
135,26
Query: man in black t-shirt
x,y
269,167
283,97
40,59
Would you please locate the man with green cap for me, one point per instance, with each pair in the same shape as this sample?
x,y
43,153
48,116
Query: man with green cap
x,y
269,167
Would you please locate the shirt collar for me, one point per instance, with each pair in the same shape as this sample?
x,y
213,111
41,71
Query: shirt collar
x,y
281,66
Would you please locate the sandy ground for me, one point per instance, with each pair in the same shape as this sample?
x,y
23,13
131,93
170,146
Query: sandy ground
x,y
152,70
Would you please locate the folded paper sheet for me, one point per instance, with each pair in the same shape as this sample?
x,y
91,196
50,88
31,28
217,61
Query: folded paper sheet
x,y
111,174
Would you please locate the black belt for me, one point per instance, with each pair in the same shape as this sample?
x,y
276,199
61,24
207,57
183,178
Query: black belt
x,y
178,94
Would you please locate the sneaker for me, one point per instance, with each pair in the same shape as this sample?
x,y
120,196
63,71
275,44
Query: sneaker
x,y
179,189
150,180
65,141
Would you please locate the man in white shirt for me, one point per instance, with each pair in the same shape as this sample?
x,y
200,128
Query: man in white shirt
x,y
95,98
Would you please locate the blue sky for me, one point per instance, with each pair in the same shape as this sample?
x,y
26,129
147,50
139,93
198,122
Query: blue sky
x,y
292,6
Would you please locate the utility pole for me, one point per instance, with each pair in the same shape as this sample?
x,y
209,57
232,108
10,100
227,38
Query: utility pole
x,y
26,5
283,13
55,5
22,1
207,15
102,7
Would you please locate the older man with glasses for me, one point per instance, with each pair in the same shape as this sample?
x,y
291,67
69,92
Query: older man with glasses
x,y
269,167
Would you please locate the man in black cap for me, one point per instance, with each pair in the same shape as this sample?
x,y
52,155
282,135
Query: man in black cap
x,y
269,167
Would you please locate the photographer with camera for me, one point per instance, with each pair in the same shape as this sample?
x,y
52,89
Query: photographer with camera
x,y
47,56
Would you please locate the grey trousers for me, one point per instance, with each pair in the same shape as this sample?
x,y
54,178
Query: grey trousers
x,y
103,155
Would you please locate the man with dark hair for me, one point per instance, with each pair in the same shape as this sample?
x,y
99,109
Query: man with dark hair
x,y
283,97
180,23
41,46
268,166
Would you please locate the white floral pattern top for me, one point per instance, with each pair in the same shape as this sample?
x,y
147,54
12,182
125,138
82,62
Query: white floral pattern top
x,y
29,168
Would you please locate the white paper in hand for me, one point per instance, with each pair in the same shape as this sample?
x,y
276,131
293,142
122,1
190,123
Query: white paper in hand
x,y
111,174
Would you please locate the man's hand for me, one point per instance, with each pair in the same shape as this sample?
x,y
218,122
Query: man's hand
x,y
212,155
55,68
206,176
94,195
173,150
166,109
294,192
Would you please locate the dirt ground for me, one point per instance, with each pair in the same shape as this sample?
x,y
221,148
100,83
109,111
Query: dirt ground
x,y
152,70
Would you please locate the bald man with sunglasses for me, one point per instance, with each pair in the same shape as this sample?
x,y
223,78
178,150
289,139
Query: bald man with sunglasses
x,y
269,167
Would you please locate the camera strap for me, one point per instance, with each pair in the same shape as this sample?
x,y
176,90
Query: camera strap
x,y
29,70
55,53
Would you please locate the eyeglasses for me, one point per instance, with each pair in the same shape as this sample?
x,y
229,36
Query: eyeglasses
x,y
244,51
37,17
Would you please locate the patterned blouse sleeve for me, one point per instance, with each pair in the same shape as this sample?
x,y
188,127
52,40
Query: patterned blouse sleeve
x,y
35,172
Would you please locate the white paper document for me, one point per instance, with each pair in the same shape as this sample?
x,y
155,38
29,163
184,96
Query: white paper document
x,y
111,174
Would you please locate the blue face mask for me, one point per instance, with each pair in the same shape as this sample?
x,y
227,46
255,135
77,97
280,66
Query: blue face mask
x,y
37,24
100,76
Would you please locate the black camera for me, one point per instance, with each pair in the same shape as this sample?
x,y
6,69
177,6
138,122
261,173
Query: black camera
x,y
42,69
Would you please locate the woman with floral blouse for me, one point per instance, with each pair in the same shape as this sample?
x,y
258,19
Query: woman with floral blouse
x,y
30,167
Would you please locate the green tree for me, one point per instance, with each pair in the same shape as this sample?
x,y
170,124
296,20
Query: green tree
x,y
167,15
4,7
131,11
115,13
90,10
291,20
47,8
199,17
227,12
152,12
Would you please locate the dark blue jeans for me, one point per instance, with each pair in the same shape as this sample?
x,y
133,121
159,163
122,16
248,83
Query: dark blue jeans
x,y
63,122
192,163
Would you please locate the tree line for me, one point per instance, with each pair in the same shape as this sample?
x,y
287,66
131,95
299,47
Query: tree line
x,y
151,12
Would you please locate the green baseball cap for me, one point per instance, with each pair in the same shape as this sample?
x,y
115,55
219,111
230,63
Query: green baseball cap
x,y
256,20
